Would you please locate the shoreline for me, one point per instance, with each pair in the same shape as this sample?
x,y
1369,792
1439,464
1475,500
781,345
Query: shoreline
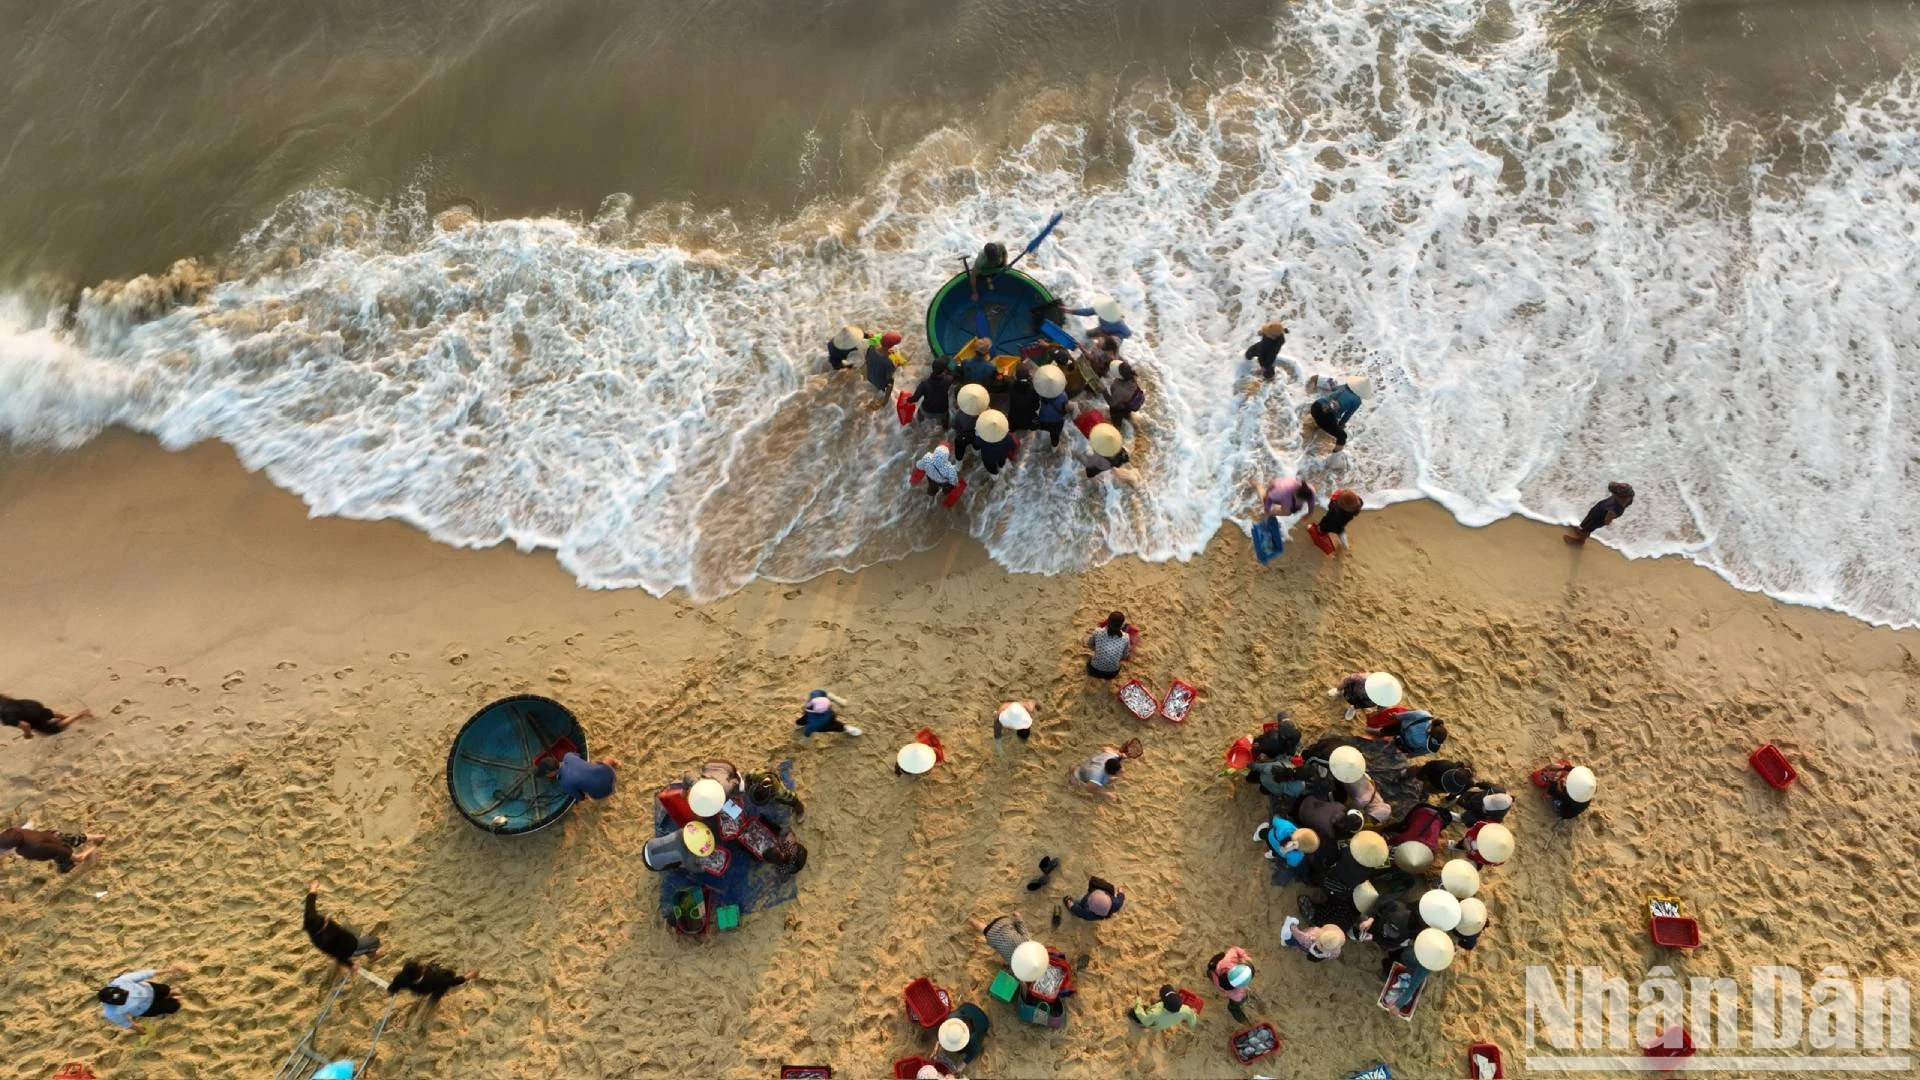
x,y
274,695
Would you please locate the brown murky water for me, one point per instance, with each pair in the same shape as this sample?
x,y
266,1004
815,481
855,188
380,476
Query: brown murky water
x,y
135,131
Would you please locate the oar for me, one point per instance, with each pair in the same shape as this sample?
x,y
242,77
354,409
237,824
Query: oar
x,y
973,284
1039,237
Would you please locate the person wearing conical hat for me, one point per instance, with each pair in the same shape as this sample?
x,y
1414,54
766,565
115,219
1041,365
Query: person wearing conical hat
x,y
1483,801
1320,943
1050,385
993,437
1112,321
1570,789
1015,716
842,345
964,1034
1265,350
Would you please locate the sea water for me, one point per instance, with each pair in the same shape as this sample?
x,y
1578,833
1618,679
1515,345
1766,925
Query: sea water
x,y
1547,297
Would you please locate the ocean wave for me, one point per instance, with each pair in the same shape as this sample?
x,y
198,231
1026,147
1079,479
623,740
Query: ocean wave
x,y
1546,301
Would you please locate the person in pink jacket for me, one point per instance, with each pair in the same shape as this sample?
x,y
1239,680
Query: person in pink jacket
x,y
1232,972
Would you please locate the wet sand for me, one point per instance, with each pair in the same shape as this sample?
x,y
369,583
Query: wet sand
x,y
275,696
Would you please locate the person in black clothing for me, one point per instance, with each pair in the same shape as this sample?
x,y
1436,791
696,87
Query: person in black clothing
x,y
1442,777
339,942
31,716
1619,497
1342,508
1266,351
935,392
1279,742
842,346
427,979
1483,802
1023,401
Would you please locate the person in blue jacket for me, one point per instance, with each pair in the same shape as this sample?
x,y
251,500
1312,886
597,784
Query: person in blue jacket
x,y
976,363
1107,310
1332,411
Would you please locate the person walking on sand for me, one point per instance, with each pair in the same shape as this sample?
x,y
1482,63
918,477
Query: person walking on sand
x,y
31,716
820,717
581,779
342,943
1266,351
1232,971
1342,507
1015,716
1168,1009
1619,497
1102,900
64,850
1111,645
135,994
1096,775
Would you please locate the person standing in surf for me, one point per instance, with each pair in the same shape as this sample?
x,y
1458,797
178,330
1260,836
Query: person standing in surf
x,y
1619,497
883,357
1332,410
1266,350
842,346
934,394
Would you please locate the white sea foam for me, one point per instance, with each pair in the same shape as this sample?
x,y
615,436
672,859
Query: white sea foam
x,y
1420,189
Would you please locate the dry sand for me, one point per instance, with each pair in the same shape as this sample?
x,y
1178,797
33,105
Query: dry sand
x,y
276,694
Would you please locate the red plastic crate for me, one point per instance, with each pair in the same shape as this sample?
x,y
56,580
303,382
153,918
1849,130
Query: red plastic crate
x,y
1192,696
1233,1043
1491,1053
1773,766
1674,931
927,1003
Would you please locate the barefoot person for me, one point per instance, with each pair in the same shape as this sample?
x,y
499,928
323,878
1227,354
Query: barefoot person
x,y
342,943
31,716
1097,774
1111,645
63,850
582,779
136,994
1266,351
1619,497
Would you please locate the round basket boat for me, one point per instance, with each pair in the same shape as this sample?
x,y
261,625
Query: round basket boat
x,y
1009,312
494,765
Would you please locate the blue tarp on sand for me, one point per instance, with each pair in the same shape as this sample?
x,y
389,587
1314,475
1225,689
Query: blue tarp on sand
x,y
748,882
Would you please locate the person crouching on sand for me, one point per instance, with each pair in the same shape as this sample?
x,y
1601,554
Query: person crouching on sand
x,y
64,850
582,779
31,716
1342,507
342,943
820,717
1111,645
1096,775
1167,1010
428,980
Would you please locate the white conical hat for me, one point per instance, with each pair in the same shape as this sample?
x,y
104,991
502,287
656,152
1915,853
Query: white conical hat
x,y
973,399
1105,439
706,797
1369,850
849,337
1347,764
1383,690
1015,717
1473,915
1494,842
954,1034
1433,949
992,426
1107,308
1460,877
1581,784
1049,381
1440,909
1029,961
915,758
1362,386
1412,856
1365,896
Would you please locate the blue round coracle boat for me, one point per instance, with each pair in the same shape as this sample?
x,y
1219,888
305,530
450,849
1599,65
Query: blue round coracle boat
x,y
1009,312
494,767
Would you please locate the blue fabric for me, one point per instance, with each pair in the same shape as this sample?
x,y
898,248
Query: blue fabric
x,y
1053,410
980,369
1344,401
748,882
585,779
1268,542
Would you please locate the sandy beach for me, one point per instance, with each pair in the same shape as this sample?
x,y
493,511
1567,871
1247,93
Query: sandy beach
x,y
274,696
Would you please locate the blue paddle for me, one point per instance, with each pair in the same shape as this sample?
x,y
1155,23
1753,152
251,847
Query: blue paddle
x,y
1039,237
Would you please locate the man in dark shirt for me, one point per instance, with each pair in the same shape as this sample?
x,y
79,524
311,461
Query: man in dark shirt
x,y
1619,497
1102,901
337,941
427,979
31,716
583,779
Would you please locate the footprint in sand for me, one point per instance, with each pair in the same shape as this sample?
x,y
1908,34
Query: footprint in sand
x,y
343,673
397,657
559,675
456,659
285,665
233,679
222,710
176,681
122,707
